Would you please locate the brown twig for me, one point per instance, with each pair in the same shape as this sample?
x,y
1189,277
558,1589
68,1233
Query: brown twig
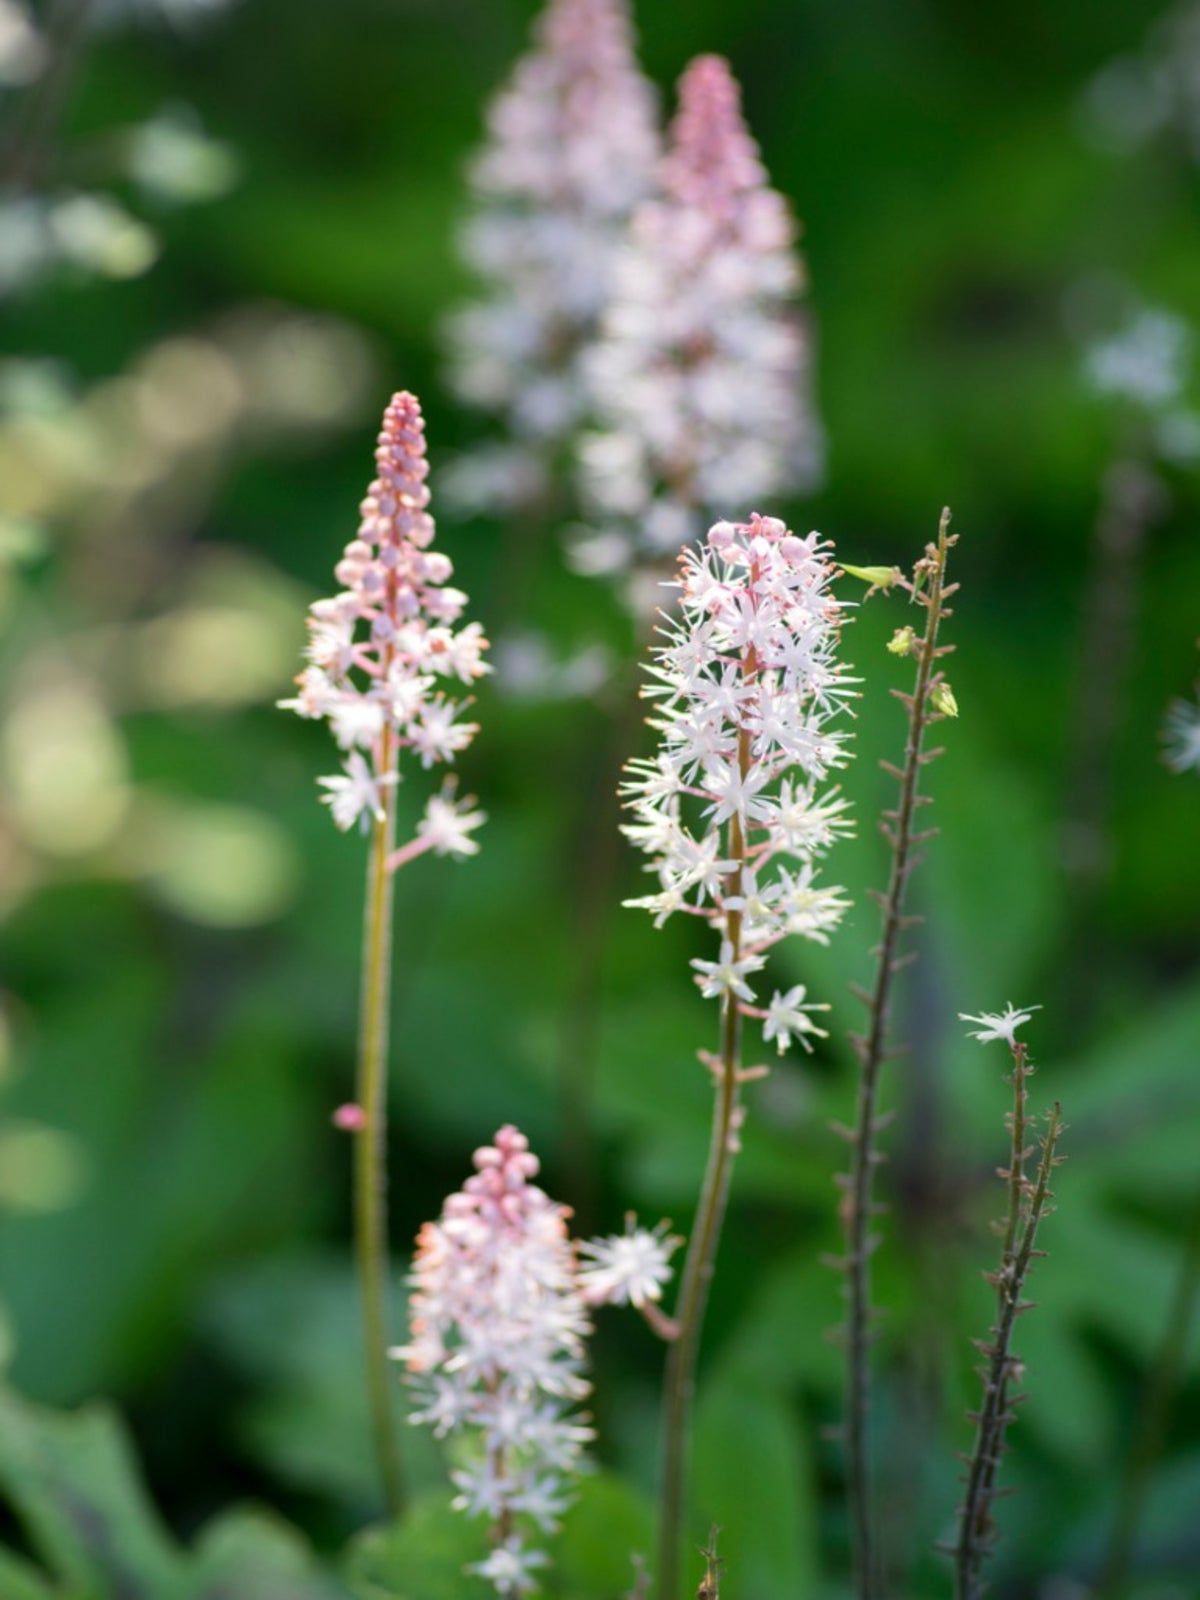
x,y
930,589
710,1583
1001,1369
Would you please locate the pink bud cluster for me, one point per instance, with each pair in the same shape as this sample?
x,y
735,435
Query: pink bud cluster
x,y
700,376
496,1350
730,811
573,142
498,1320
380,650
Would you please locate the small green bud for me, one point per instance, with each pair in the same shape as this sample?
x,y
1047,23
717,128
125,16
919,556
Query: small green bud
x,y
877,577
902,641
942,699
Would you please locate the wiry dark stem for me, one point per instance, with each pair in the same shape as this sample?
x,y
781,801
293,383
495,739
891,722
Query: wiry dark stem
x,y
858,1205
1154,1414
1131,499
1001,1368
1018,1192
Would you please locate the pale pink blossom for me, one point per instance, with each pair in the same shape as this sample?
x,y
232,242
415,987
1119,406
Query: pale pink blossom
x,y
701,373
572,147
496,1350
448,824
378,649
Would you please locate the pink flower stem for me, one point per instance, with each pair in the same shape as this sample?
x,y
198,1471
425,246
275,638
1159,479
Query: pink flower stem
x,y
408,852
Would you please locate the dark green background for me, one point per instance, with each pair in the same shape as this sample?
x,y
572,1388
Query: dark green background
x,y
199,1273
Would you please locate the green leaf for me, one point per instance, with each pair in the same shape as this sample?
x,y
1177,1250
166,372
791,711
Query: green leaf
x,y
419,1558
753,1480
20,1581
74,1484
609,1524
250,1554
308,1419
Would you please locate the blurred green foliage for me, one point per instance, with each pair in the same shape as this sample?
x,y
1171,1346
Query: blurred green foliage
x,y
182,457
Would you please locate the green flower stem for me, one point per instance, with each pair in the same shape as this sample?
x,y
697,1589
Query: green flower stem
x,y
370,1163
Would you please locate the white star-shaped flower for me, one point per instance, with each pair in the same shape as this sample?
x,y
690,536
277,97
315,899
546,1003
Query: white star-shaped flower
x,y
355,793
727,976
999,1025
787,1018
627,1268
448,824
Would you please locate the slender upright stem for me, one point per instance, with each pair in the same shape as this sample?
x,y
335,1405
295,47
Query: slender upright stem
x,y
593,877
975,1526
1015,1175
1018,1191
1154,1415
680,1380
859,1204
36,116
1131,500
370,1157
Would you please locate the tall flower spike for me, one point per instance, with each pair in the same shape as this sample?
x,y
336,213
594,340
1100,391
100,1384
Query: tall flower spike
x,y
380,651
573,143
731,813
496,1354
378,654
701,376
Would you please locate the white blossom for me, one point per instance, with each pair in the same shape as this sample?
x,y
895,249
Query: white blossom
x,y
1147,362
448,824
510,1568
627,1268
1181,736
732,810
787,1018
355,794
999,1025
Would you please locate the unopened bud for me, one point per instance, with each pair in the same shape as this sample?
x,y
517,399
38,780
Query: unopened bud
x,y
877,577
942,699
902,641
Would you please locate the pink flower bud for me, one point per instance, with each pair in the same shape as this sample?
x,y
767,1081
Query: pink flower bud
x,y
376,650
